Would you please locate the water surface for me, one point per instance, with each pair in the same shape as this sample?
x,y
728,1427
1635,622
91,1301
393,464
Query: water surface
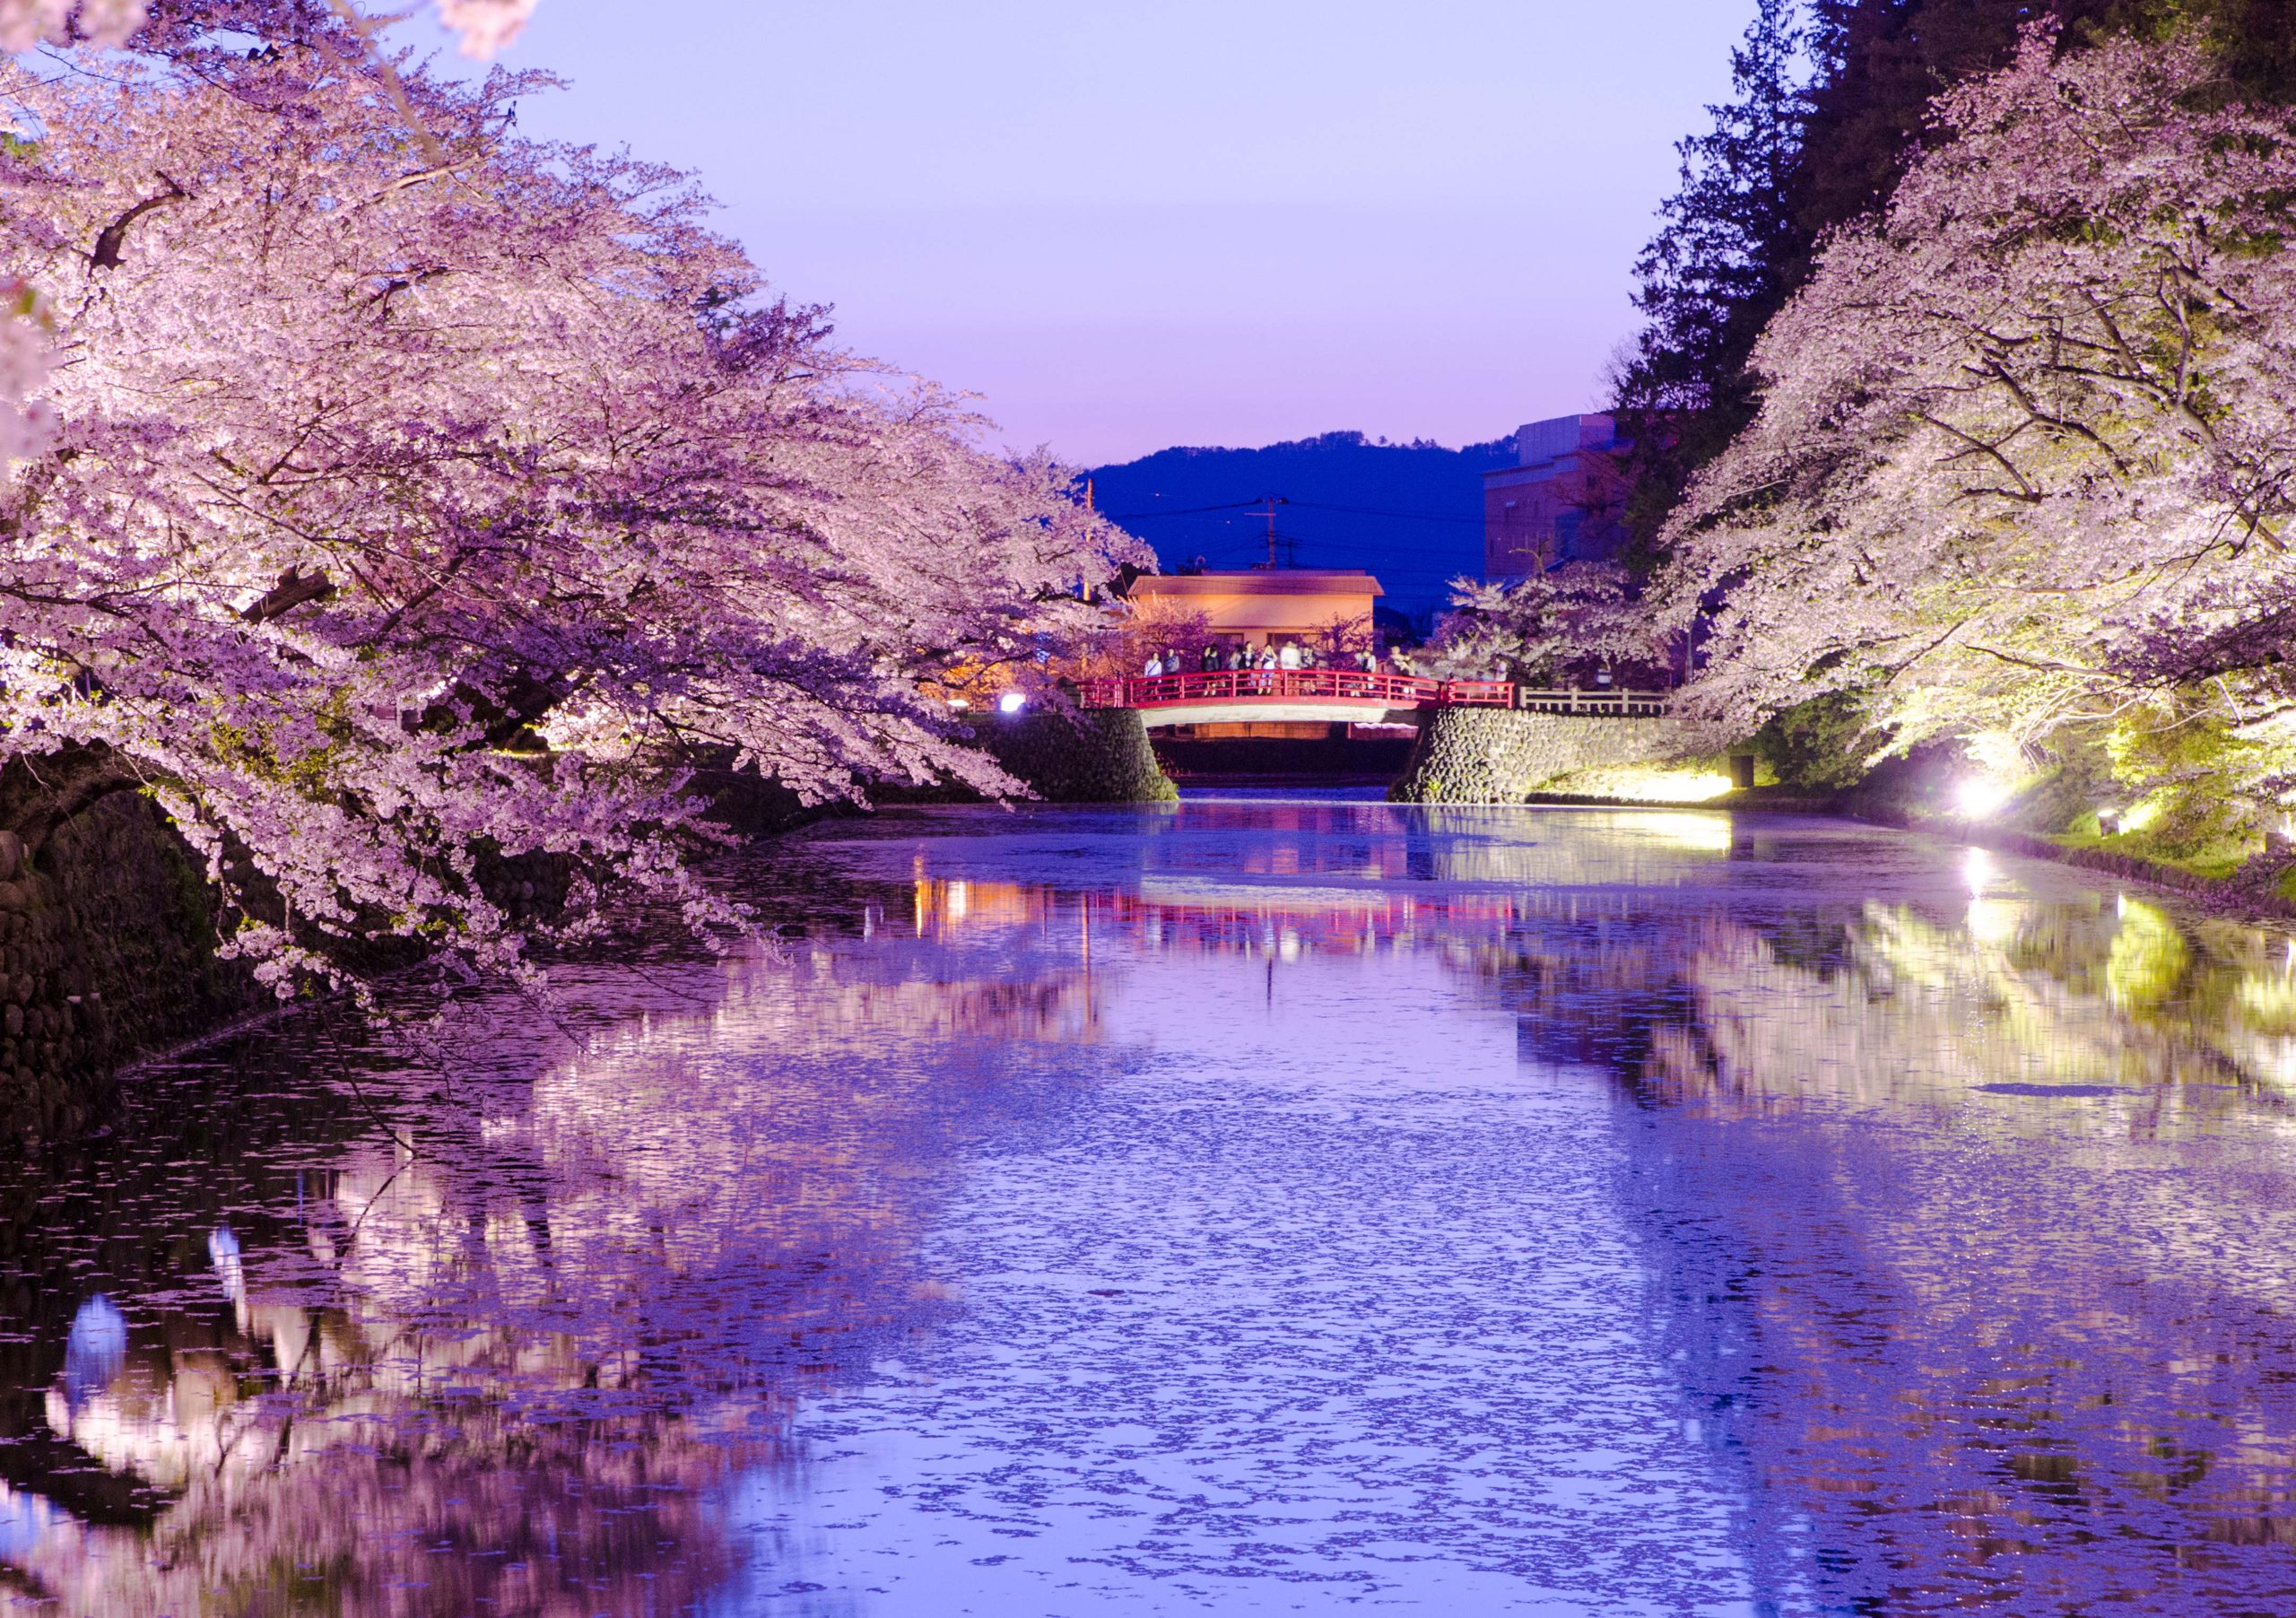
x,y
1255,1206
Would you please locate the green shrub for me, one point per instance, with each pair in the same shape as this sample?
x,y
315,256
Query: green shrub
x,y
1820,745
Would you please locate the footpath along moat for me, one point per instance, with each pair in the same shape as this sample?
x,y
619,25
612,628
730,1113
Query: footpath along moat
x,y
1253,1204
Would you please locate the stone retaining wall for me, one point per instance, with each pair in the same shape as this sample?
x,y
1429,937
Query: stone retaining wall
x,y
1098,756
107,950
1497,755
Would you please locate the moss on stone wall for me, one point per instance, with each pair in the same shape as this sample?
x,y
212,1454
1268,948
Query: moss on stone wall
x,y
1496,755
107,949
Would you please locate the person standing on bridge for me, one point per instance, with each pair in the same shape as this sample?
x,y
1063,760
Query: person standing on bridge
x,y
1210,661
1236,655
1267,657
1289,657
1155,666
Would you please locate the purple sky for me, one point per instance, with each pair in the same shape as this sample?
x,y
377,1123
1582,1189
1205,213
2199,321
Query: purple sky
x,y
1199,221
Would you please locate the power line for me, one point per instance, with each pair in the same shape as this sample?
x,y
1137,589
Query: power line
x,y
1305,505
1423,571
1404,573
1134,516
1416,517
1224,546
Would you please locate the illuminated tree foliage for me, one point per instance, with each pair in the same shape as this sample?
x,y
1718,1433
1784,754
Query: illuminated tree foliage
x,y
2027,455
1830,101
401,494
1549,628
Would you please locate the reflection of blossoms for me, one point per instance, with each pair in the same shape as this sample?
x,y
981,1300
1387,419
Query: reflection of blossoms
x,y
1964,1189
515,1367
559,1522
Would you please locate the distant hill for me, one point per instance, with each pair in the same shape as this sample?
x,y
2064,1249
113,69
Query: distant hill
x,y
1411,514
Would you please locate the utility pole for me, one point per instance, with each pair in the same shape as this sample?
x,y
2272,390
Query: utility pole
x,y
1271,501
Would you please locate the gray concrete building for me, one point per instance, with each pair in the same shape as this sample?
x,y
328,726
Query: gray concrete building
x,y
1563,500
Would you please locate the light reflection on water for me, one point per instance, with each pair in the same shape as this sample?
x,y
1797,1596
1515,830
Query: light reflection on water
x,y
1256,1207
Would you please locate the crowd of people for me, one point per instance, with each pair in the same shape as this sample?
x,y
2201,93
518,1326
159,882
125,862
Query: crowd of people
x,y
1238,656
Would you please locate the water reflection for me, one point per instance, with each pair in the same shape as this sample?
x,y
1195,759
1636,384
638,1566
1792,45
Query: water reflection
x,y
490,1346
2016,1197
1259,1206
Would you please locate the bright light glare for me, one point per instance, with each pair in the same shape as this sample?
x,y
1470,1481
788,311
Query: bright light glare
x,y
1979,796
1646,784
1011,702
1995,921
1695,833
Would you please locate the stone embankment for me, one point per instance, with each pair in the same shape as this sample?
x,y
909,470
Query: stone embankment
x,y
107,950
1098,756
1072,756
1497,755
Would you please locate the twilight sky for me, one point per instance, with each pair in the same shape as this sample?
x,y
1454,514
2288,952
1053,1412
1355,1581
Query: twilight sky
x,y
1199,221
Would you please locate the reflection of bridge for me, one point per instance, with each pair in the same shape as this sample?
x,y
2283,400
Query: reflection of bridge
x,y
1228,695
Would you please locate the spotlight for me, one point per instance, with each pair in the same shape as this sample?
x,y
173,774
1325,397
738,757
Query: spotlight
x,y
1011,702
1978,797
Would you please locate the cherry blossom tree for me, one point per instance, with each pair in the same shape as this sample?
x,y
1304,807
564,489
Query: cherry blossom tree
x,y
405,494
2027,457
483,27
1542,629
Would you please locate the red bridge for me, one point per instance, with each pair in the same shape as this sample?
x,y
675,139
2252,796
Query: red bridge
x,y
1225,695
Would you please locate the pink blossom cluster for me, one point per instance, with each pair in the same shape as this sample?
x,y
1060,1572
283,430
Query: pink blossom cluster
x,y
25,23
26,356
2028,450
413,493
1534,629
483,26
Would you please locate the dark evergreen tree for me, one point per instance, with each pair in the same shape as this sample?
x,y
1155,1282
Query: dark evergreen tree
x,y
1710,277
2260,42
1715,273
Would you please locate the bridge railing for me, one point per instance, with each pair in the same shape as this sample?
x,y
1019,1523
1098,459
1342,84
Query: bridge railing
x,y
1230,685
1614,702
1353,685
1477,693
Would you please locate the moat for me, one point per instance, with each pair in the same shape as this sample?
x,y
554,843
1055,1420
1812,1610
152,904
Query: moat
x,y
1260,1204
